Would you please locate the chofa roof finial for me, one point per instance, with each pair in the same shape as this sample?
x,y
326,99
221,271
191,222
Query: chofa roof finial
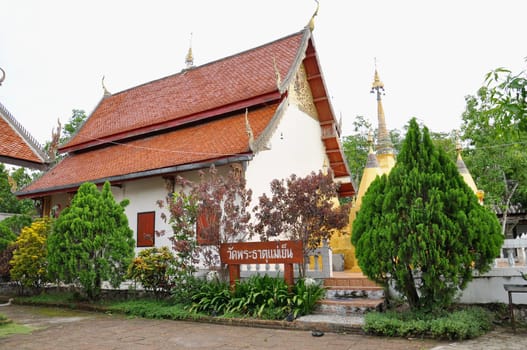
x,y
3,76
312,20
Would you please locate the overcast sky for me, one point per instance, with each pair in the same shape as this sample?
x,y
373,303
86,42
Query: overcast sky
x,y
430,54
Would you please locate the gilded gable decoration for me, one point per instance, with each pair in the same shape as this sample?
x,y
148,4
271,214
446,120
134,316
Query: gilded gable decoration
x,y
249,131
301,94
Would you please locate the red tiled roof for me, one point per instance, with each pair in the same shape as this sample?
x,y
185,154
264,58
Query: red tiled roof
x,y
16,145
192,144
171,123
244,76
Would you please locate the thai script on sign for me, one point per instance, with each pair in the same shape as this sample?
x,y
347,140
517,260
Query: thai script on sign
x,y
282,252
262,252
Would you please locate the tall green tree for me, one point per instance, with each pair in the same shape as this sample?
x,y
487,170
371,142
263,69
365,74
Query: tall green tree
x,y
502,100
9,182
8,201
356,147
495,128
91,241
422,227
77,119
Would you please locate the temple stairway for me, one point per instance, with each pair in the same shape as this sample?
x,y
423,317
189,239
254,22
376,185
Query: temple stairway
x,y
349,294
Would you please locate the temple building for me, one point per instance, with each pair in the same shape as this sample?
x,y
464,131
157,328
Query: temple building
x,y
264,113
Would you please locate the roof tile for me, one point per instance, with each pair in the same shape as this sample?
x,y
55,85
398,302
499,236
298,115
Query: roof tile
x,y
242,76
12,143
212,140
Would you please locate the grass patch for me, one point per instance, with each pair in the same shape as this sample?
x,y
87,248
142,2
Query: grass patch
x,y
13,328
460,324
153,309
49,298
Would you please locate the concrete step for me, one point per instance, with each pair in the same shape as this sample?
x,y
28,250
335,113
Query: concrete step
x,y
349,307
349,282
351,294
347,293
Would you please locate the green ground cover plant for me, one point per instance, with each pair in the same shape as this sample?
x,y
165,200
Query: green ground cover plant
x,y
459,324
156,309
260,297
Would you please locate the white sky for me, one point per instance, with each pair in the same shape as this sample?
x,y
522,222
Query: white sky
x,y
430,54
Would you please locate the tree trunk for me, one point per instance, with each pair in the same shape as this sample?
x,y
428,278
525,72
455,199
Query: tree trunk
x,y
410,289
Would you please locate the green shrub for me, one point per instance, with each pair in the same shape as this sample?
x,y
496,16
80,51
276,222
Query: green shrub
x,y
213,298
259,296
6,236
307,292
29,263
186,289
154,268
459,324
17,222
464,324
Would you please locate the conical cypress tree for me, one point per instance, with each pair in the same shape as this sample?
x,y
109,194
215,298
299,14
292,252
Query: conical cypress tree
x,y
422,226
91,241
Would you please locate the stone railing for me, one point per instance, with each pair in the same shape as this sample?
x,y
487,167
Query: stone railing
x,y
319,266
513,254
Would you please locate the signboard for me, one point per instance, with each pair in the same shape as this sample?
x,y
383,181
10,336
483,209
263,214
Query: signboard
x,y
275,252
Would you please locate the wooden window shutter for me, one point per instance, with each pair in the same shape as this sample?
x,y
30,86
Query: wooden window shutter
x,y
208,226
146,229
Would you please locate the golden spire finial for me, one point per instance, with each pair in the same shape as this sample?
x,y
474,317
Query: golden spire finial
x,y
384,143
377,83
459,148
189,58
312,20
106,92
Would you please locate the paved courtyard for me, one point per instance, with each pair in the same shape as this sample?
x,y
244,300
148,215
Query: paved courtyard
x,y
71,329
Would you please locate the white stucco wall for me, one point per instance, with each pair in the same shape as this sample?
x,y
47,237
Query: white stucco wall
x,y
488,288
59,202
296,148
143,195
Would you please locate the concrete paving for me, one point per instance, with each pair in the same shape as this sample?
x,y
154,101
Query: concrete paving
x,y
55,328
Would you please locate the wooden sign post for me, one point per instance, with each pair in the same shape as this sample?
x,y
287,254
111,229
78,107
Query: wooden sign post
x,y
276,252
